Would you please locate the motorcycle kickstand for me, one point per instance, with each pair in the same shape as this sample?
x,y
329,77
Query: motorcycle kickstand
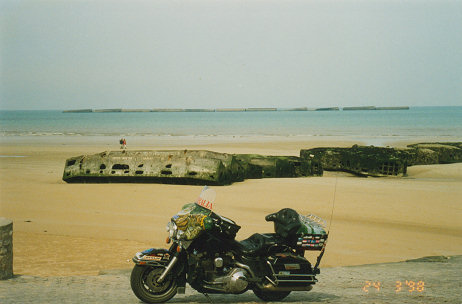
x,y
208,298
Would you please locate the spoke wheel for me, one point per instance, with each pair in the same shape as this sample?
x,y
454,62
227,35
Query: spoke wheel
x,y
143,281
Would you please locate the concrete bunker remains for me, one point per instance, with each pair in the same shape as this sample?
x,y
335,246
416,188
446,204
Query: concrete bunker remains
x,y
183,167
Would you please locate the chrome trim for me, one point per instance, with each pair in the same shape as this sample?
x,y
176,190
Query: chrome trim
x,y
271,267
269,287
137,257
214,283
167,269
213,287
294,275
274,274
297,278
271,281
246,268
296,281
218,262
172,230
286,278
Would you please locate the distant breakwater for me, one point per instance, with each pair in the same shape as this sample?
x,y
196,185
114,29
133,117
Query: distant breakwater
x,y
235,109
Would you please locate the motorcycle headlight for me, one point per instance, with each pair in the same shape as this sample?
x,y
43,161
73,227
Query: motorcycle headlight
x,y
172,229
179,234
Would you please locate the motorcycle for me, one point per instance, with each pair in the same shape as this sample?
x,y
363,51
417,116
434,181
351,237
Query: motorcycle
x,y
205,254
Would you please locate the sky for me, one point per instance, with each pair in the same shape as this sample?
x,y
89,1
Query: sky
x,y
229,53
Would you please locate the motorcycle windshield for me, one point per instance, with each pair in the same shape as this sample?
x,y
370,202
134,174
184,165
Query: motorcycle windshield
x,y
194,218
190,220
207,198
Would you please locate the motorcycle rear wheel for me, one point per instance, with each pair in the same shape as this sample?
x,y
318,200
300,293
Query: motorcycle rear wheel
x,y
270,296
143,281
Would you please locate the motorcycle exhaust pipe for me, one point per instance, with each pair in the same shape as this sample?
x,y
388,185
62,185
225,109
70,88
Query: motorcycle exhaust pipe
x,y
270,287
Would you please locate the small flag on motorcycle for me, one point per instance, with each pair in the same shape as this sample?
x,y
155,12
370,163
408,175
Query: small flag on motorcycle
x,y
207,198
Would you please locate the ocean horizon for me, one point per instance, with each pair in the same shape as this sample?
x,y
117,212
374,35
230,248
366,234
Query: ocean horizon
x,y
417,122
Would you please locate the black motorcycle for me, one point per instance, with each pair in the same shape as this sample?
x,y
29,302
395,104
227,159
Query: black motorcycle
x,y
205,254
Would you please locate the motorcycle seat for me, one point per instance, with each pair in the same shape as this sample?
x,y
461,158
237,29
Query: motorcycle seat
x,y
257,243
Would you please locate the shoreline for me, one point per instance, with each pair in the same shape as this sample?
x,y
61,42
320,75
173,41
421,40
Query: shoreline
x,y
162,141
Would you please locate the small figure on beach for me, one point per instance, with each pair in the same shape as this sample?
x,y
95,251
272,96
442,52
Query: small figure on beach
x,y
123,143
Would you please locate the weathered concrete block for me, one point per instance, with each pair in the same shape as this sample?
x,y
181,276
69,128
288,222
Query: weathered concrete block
x,y
422,156
379,161
261,166
183,167
435,153
212,168
6,248
360,160
170,167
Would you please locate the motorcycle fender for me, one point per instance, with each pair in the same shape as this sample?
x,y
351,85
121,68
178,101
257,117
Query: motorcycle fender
x,y
152,257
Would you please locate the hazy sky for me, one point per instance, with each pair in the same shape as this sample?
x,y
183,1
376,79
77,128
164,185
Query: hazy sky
x,y
212,54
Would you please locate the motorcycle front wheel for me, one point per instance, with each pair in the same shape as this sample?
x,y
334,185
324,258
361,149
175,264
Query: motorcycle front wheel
x,y
143,281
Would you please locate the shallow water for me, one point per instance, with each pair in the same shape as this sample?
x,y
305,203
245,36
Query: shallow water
x,y
440,122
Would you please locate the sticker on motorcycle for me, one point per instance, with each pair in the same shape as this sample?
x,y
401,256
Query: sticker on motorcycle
x,y
206,198
152,257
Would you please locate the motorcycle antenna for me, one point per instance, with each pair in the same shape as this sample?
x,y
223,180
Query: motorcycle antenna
x,y
318,260
333,204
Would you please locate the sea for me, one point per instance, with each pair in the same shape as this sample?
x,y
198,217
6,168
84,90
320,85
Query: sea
x,y
373,126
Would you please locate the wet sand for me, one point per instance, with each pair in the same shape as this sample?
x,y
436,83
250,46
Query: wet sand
x,y
79,229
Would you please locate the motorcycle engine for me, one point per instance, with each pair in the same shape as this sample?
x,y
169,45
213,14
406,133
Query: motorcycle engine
x,y
219,274
234,282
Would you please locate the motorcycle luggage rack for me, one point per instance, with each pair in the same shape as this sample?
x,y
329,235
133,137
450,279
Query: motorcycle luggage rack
x,y
314,220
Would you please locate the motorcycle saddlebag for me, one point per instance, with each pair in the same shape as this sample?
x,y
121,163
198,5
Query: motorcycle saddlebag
x,y
292,270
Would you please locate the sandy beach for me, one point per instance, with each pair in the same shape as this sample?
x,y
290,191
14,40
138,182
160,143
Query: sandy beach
x,y
80,229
